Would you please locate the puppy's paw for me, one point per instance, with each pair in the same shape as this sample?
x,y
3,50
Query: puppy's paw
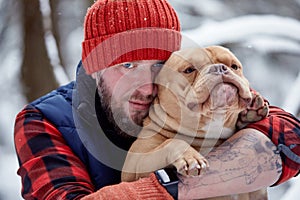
x,y
257,110
191,163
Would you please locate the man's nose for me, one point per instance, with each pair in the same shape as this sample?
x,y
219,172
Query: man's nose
x,y
147,86
146,89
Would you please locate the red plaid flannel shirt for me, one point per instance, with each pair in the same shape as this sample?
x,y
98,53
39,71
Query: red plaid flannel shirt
x,y
284,131
49,168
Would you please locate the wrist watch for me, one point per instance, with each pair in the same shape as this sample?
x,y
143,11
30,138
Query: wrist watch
x,y
168,178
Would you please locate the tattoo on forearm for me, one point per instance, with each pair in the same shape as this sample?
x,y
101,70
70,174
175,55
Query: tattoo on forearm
x,y
232,160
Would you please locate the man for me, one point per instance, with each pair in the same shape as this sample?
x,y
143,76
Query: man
x,y
71,143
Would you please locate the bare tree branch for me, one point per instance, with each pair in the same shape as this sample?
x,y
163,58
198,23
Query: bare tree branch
x,y
55,19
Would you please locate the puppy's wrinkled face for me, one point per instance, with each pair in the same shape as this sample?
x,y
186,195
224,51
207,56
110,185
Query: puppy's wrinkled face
x,y
208,80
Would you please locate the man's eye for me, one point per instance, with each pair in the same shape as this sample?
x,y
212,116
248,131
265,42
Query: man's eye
x,y
159,64
128,65
189,70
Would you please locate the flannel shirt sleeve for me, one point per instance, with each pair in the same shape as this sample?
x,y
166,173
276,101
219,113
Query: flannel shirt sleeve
x,y
284,131
48,167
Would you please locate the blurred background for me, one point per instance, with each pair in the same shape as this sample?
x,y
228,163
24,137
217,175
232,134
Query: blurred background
x,y
40,46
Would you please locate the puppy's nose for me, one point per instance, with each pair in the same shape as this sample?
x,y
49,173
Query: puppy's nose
x,y
218,69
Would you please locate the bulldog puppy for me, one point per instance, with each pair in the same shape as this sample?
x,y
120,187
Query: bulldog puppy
x,y
201,92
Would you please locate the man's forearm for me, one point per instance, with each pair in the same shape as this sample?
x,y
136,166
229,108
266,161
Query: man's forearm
x,y
246,162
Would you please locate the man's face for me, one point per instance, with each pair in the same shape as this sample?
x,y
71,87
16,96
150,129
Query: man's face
x,y
127,91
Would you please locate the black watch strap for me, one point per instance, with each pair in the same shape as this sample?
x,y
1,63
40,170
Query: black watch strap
x,y
168,178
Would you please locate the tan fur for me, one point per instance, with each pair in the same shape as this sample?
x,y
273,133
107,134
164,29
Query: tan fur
x,y
191,113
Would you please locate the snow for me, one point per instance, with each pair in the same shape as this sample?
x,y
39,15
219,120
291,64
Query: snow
x,y
240,28
10,182
293,192
265,34
11,101
293,98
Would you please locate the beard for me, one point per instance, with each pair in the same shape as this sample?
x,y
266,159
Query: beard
x,y
124,125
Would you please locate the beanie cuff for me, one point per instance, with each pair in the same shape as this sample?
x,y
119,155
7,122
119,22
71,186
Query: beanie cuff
x,y
138,44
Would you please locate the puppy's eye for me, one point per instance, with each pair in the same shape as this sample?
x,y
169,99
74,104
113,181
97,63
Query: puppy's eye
x,y
189,70
234,66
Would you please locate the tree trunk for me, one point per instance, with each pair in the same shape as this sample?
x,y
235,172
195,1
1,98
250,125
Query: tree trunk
x,y
37,73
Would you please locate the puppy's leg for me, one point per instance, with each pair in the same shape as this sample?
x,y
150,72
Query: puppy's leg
x,y
190,163
257,110
144,156
150,154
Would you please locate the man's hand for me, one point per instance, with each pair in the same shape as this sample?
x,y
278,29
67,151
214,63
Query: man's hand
x,y
257,110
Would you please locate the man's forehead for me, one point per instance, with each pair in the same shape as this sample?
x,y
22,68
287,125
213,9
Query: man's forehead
x,y
143,62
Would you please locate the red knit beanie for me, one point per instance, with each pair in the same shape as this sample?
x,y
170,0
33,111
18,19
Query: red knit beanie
x,y
117,31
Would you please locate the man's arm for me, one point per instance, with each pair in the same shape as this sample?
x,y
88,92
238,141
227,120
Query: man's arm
x,y
48,167
246,162
267,152
50,170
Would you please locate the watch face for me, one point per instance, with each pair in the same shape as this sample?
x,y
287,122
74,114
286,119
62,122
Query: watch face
x,y
164,177
167,175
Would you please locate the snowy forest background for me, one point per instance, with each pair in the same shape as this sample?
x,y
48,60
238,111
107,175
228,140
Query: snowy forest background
x,y
40,45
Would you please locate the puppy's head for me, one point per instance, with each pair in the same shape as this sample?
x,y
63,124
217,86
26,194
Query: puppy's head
x,y
203,80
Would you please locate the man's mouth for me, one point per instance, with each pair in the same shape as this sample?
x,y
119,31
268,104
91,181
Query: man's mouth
x,y
140,105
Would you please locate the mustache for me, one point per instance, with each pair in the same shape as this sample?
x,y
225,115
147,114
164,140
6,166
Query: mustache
x,y
141,97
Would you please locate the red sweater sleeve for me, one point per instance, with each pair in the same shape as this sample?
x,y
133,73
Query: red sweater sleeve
x,y
284,131
144,188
